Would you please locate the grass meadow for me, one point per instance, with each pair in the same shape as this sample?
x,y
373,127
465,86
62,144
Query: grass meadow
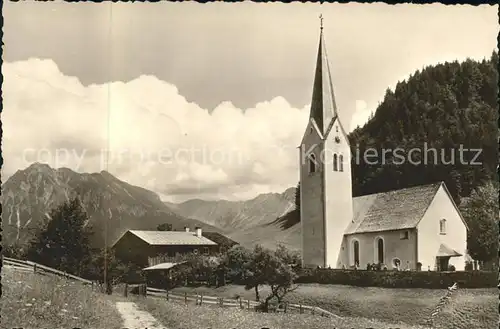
x,y
32,300
468,308
179,316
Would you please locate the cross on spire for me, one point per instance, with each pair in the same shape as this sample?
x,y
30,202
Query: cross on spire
x,y
323,107
321,21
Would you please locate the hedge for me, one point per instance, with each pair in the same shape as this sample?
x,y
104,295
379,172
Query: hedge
x,y
400,279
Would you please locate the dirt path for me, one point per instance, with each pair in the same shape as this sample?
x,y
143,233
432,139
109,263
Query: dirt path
x,y
133,318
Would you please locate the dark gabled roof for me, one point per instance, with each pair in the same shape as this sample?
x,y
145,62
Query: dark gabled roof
x,y
220,239
393,210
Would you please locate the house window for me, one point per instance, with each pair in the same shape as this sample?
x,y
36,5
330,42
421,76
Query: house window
x,y
405,235
355,249
442,226
205,250
379,243
336,128
335,167
341,163
312,163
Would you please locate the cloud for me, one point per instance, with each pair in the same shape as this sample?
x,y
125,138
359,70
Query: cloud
x,y
361,115
146,133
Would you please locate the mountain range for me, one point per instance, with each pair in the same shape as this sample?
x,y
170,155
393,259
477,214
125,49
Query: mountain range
x,y
29,195
237,215
263,220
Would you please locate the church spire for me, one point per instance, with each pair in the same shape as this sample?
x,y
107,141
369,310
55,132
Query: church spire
x,y
323,107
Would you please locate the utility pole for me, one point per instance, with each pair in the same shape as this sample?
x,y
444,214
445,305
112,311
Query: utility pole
x,y
110,35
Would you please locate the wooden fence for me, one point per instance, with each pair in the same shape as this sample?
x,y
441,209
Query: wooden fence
x,y
29,266
230,302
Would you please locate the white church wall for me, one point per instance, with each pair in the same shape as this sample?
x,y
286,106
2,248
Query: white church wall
x,y
395,246
338,193
311,202
429,237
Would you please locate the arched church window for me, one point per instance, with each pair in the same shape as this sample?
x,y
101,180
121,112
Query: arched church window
x,y
442,226
355,250
379,243
335,164
312,163
341,163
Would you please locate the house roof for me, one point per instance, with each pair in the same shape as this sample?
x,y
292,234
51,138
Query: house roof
x,y
172,238
393,210
445,251
162,266
220,239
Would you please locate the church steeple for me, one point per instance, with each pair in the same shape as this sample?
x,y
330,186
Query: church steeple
x,y
323,107
325,176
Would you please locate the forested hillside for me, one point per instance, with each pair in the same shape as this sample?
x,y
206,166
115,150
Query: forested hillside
x,y
443,107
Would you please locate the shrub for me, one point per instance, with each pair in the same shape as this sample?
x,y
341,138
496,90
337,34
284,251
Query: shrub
x,y
400,279
451,268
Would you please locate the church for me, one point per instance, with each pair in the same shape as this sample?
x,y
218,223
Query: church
x,y
416,228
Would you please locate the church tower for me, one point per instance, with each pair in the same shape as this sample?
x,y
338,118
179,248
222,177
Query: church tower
x,y
325,175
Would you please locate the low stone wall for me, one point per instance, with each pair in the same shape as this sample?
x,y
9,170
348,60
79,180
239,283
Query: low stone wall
x,y
400,279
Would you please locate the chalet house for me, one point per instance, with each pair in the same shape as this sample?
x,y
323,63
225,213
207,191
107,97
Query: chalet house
x,y
148,248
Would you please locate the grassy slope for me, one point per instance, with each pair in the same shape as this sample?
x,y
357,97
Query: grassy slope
x,y
179,316
269,236
37,301
468,308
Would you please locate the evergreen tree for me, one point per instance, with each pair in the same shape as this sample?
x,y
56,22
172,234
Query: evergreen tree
x,y
64,244
443,106
482,216
164,227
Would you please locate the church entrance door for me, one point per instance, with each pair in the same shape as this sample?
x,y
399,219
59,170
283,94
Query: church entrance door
x,y
442,263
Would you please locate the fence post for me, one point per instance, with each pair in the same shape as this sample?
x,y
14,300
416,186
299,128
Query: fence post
x,y
241,303
312,311
248,302
300,308
221,301
201,299
286,306
125,292
185,297
34,268
167,295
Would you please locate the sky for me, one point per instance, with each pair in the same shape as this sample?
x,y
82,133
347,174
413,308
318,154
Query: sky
x,y
211,100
